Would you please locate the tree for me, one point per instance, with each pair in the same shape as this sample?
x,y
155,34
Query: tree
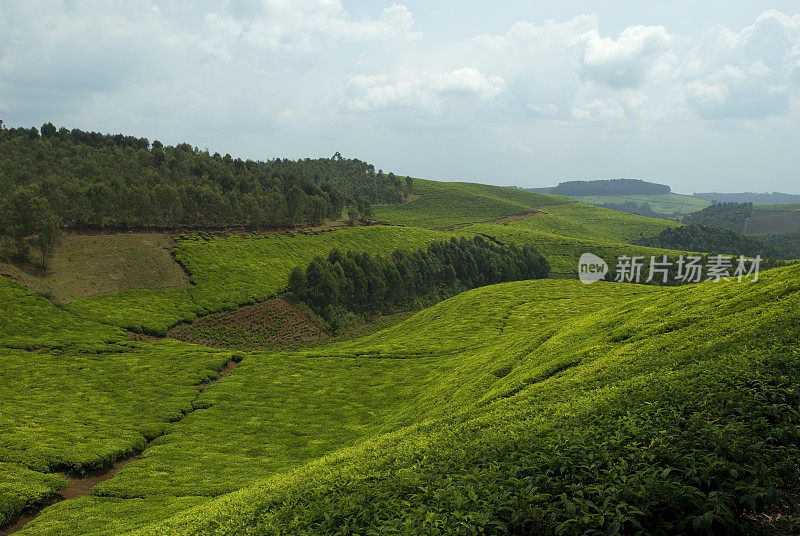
x,y
48,237
298,285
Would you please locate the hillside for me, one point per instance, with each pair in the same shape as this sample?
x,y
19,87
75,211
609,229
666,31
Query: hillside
x,y
57,179
483,397
765,198
772,221
447,204
667,204
467,411
236,270
790,206
93,264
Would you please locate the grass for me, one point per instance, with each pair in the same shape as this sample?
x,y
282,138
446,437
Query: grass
x,y
90,265
237,270
521,407
446,204
661,203
76,395
28,321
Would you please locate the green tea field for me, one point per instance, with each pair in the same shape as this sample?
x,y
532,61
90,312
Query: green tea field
x,y
536,407
659,203
361,268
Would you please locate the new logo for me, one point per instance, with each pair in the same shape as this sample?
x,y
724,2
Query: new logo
x,y
591,268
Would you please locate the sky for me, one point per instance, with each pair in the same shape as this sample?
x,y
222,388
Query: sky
x,y
700,95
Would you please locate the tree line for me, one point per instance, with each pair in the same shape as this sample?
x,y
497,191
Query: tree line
x,y
719,240
53,179
710,239
352,286
610,187
722,215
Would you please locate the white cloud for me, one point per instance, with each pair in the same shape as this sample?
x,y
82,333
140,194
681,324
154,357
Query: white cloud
x,y
256,69
627,60
427,91
747,74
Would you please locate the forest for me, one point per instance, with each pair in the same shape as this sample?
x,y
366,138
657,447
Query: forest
x,y
642,209
722,215
54,179
711,239
366,285
610,187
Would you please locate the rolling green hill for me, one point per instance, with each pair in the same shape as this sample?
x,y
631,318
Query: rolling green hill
x,y
525,407
532,407
446,204
660,203
228,272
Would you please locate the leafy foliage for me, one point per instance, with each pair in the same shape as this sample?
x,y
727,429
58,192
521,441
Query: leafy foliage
x,y
364,284
88,180
610,187
711,239
21,488
723,215
554,408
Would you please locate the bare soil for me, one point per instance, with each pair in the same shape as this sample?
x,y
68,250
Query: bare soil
x,y
272,323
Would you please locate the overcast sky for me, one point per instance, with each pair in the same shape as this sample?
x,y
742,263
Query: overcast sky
x,y
701,95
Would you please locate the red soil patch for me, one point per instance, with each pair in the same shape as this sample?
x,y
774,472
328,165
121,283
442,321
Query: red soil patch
x,y
274,322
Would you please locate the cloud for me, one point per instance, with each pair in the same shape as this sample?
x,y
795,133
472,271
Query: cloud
x,y
302,27
745,75
426,91
269,77
627,60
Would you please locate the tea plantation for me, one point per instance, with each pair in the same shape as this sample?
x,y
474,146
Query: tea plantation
x,y
527,407
539,406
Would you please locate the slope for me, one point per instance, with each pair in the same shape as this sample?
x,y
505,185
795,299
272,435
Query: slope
x,y
520,408
228,272
446,204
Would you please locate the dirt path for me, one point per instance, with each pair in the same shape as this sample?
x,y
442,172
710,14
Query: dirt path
x,y
80,486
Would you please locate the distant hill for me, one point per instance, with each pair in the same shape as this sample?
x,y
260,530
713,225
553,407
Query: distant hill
x,y
722,216
764,198
671,205
609,187
633,196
